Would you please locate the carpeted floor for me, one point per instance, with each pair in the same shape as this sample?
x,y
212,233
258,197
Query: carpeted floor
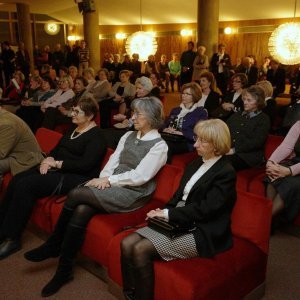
x,y
23,280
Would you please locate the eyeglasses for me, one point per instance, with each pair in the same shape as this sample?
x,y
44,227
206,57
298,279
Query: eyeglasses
x,y
76,112
236,81
136,114
187,94
199,140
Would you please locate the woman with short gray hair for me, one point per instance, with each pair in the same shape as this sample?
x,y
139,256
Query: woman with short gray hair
x,y
125,184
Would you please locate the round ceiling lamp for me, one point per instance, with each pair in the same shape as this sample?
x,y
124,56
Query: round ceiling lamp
x,y
284,42
52,28
141,42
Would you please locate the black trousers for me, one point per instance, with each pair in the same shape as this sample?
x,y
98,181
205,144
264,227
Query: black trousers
x,y
22,193
106,107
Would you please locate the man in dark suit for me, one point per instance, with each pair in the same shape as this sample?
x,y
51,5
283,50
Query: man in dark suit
x,y
250,70
186,61
220,66
276,75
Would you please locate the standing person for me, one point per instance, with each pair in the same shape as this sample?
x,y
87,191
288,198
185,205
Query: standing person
x,y
220,66
203,201
249,69
136,68
19,150
186,60
84,57
8,57
125,184
175,69
58,58
200,63
23,61
276,75
74,160
164,71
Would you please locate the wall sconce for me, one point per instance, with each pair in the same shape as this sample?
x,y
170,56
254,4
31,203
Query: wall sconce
x,y
73,38
186,32
228,30
120,36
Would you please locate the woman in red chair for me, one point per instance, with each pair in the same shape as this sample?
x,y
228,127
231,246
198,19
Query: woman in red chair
x,y
74,160
203,202
125,184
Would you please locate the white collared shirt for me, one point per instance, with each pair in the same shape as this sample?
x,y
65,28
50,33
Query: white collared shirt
x,y
202,101
146,169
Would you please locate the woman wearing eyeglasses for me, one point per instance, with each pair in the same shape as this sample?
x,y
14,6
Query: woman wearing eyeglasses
x,y
178,129
203,202
74,160
125,184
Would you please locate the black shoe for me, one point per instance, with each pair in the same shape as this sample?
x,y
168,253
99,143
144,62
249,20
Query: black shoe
x,y
56,283
129,294
41,253
9,247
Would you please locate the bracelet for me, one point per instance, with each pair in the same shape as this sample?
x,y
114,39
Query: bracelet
x,y
291,173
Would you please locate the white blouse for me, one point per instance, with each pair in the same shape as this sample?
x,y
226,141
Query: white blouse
x,y
146,169
202,101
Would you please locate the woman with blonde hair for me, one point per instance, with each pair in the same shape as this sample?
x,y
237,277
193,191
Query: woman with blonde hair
x,y
202,204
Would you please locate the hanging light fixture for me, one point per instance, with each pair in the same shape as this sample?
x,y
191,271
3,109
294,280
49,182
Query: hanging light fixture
x,y
284,42
141,42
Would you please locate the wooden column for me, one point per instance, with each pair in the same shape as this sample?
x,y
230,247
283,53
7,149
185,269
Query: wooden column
x,y
24,28
91,35
208,25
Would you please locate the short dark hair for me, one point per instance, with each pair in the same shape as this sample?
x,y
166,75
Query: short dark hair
x,y
50,81
258,94
242,77
89,105
82,79
191,43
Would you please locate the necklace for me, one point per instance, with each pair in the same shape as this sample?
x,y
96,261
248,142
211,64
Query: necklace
x,y
75,136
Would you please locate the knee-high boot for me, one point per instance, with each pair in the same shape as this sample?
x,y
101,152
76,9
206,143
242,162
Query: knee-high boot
x,y
128,278
52,247
72,243
144,282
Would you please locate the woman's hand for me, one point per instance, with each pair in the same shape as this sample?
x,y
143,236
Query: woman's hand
x,y
275,171
99,183
47,164
26,102
172,131
156,213
118,98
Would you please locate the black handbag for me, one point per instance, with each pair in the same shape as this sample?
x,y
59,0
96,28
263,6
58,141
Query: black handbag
x,y
169,229
170,137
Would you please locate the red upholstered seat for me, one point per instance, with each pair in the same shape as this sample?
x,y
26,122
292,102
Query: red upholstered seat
x,y
102,228
229,275
47,139
62,128
182,160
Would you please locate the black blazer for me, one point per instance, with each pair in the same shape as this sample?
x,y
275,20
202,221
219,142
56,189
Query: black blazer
x,y
271,110
212,102
238,103
208,206
252,74
248,136
214,66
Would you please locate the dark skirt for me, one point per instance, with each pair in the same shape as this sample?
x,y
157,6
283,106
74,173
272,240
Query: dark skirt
x,y
289,190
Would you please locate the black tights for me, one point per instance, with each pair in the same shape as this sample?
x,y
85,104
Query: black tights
x,y
84,205
137,255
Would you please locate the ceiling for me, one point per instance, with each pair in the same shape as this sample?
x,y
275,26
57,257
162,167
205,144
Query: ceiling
x,y
124,12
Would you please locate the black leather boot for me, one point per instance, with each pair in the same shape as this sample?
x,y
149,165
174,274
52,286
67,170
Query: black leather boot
x,y
72,243
8,247
52,247
128,278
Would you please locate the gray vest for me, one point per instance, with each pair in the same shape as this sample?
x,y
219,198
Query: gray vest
x,y
134,151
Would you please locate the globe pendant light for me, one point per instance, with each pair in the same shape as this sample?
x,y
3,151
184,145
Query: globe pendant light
x,y
284,42
141,42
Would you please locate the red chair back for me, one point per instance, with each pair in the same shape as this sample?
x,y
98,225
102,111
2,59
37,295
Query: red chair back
x,y
47,139
273,141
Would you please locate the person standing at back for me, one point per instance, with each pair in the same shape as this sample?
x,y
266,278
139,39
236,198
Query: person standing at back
x,y
84,56
186,61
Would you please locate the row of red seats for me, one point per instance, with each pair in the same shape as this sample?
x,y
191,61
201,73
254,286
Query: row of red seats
x,y
233,274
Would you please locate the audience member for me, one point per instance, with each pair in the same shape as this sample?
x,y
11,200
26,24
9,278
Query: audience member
x,y
8,58
200,63
102,87
276,75
23,61
150,66
164,71
249,130
186,61
83,57
125,184
175,69
73,161
203,204
178,129
250,70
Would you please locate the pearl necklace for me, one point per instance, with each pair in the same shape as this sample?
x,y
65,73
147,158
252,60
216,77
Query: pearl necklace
x,y
91,125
